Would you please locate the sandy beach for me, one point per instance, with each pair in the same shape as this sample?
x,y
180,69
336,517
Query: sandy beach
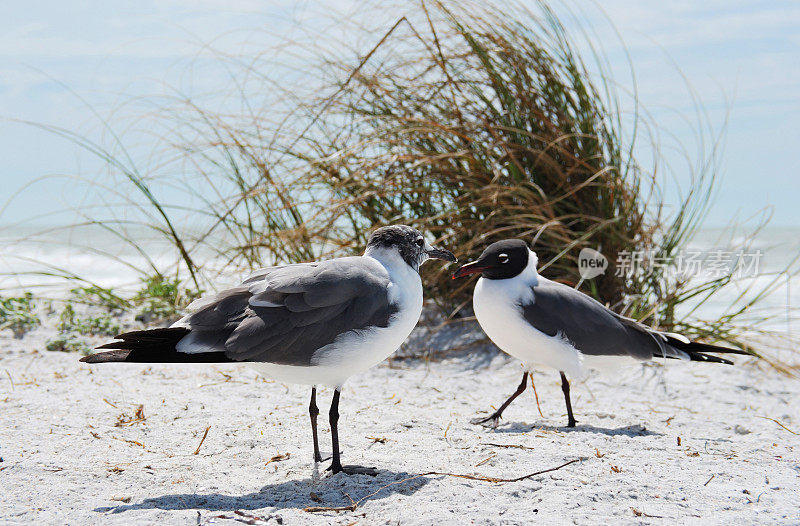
x,y
686,442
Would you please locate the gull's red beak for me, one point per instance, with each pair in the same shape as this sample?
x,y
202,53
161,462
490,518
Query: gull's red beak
x,y
470,268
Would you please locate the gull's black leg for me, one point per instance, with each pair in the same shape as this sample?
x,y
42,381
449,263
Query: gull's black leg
x,y
565,388
493,419
336,464
333,416
313,411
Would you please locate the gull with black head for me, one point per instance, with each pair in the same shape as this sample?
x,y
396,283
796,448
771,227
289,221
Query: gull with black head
x,y
310,323
543,322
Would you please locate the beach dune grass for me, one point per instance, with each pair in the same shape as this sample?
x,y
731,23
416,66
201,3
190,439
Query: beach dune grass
x,y
486,127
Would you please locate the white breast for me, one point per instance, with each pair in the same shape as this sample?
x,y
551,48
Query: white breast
x,y
497,307
357,351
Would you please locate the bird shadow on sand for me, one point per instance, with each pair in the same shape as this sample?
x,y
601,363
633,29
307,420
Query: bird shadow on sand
x,y
330,491
636,430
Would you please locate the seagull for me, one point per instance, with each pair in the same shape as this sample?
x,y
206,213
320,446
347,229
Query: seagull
x,y
309,323
542,322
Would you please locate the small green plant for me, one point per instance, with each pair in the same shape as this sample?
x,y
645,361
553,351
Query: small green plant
x,y
68,343
17,314
99,296
161,298
97,325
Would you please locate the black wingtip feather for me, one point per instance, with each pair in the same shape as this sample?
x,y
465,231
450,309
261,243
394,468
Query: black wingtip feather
x,y
152,346
110,356
703,347
159,334
701,357
697,351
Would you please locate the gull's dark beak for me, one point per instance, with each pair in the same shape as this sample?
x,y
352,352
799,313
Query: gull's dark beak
x,y
476,267
440,253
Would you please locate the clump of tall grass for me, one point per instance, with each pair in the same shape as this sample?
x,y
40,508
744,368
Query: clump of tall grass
x,y
473,122
488,125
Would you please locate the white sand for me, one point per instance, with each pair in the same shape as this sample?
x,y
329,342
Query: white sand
x,y
65,461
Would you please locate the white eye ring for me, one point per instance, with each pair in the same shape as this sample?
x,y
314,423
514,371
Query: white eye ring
x,y
419,241
502,258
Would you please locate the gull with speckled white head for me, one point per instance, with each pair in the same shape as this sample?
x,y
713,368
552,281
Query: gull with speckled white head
x,y
543,322
311,323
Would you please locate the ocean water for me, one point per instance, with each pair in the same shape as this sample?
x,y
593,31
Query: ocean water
x,y
774,250
34,258
38,258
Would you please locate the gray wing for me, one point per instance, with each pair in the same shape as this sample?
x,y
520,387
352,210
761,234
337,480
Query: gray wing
x,y
590,326
284,314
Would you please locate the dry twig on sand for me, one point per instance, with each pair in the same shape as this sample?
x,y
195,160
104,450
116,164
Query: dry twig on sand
x,y
246,518
355,503
278,458
125,420
205,434
783,426
536,395
515,446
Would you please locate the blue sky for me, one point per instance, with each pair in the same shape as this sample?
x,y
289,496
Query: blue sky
x,y
741,58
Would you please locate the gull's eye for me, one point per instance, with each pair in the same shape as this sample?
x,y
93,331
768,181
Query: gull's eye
x,y
502,258
419,242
